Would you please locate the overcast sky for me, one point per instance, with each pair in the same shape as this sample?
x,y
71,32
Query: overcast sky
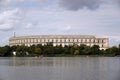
x,y
44,17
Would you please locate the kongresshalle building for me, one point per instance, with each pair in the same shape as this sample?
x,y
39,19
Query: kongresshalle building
x,y
57,40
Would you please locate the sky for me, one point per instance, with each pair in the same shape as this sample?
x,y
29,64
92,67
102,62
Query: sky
x,y
60,17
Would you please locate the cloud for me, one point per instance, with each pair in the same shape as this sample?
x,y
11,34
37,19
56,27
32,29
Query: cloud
x,y
29,25
80,4
89,4
114,40
67,4
8,19
118,2
6,27
68,28
4,2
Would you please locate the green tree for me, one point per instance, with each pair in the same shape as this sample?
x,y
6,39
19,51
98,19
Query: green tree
x,y
113,51
76,52
81,49
38,51
4,51
118,53
87,50
95,50
22,51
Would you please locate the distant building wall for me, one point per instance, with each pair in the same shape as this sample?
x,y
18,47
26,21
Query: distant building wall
x,y
63,40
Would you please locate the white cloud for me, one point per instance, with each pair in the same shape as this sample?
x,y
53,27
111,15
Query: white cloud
x,y
8,19
6,26
6,2
29,25
68,28
116,38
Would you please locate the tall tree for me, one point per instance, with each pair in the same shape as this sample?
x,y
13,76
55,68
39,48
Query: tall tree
x,y
95,50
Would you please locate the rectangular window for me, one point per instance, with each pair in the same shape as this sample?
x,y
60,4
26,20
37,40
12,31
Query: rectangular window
x,y
102,41
89,40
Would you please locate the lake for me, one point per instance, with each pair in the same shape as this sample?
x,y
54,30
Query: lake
x,y
60,68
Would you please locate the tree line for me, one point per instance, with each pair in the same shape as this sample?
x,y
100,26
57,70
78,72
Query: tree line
x,y
52,51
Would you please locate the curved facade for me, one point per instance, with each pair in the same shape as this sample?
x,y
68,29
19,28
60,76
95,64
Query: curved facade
x,y
63,40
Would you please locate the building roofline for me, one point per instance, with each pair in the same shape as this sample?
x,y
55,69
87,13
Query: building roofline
x,y
82,36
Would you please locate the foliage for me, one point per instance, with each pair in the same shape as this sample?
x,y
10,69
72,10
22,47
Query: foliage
x,y
4,51
50,50
95,50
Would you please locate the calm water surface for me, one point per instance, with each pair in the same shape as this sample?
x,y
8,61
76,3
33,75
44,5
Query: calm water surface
x,y
60,68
